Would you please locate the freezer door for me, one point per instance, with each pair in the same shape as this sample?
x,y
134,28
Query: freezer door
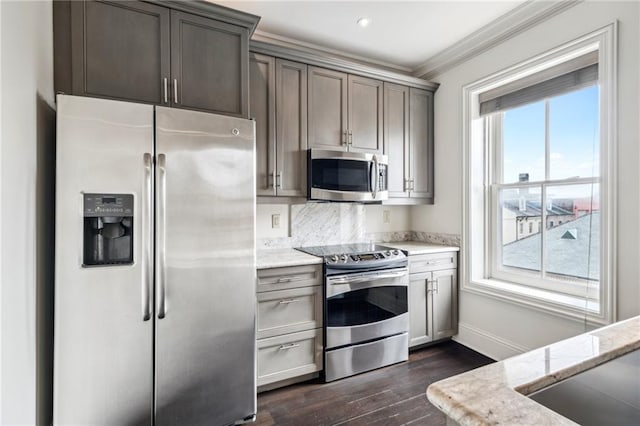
x,y
205,288
103,346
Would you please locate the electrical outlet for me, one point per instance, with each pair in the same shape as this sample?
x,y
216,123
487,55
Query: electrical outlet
x,y
386,216
275,221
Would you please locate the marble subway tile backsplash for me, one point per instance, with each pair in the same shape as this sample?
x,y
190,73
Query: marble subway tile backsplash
x,y
315,224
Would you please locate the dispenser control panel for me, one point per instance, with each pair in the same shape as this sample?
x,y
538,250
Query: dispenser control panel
x,y
96,205
108,229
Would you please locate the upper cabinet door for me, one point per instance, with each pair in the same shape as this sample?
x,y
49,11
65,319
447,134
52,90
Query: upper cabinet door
x,y
327,109
262,86
396,138
120,50
291,128
209,65
365,114
421,143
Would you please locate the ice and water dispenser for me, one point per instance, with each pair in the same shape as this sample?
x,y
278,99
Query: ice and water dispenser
x,y
108,229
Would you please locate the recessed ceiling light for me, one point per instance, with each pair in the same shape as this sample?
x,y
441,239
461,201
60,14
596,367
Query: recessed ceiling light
x,y
363,22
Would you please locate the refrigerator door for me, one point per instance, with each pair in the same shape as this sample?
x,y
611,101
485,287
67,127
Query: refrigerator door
x,y
205,268
103,347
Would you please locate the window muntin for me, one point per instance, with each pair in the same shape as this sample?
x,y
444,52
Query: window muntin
x,y
546,170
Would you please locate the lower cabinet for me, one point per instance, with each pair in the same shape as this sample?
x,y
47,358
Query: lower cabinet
x,y
289,355
289,323
433,297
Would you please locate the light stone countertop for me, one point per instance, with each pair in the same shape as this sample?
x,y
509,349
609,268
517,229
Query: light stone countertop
x,y
281,257
278,258
495,394
417,247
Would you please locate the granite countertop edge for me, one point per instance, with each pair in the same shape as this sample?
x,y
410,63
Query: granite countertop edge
x,y
497,393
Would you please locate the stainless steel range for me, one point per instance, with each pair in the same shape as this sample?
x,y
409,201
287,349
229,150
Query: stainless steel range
x,y
365,307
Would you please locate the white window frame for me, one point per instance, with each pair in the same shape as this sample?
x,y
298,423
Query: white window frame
x,y
477,253
542,279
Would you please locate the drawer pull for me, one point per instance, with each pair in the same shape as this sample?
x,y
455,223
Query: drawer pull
x,y
287,301
291,278
437,262
289,346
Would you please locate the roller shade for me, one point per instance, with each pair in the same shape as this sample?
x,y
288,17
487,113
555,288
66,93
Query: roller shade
x,y
572,75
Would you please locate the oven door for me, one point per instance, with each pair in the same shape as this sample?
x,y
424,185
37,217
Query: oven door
x,y
347,176
366,306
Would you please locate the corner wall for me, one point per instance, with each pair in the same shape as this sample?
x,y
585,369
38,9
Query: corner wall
x,y
27,177
495,327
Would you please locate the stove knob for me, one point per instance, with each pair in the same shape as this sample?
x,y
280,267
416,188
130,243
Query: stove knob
x,y
396,252
343,257
388,253
334,258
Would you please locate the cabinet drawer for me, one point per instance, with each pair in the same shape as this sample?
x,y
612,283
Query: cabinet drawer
x,y
290,355
289,277
289,311
433,262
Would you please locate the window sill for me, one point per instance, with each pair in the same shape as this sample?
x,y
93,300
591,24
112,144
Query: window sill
x,y
563,305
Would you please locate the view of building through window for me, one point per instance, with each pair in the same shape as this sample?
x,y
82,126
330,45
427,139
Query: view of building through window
x,y
550,176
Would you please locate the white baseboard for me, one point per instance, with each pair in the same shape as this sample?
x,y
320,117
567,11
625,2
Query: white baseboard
x,y
486,343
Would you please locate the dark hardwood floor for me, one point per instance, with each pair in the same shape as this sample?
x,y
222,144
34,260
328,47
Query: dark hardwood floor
x,y
390,396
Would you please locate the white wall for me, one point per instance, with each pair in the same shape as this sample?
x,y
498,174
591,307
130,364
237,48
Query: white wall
x,y
492,326
26,216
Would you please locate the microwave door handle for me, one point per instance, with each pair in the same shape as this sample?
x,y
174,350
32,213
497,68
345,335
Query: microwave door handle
x,y
376,172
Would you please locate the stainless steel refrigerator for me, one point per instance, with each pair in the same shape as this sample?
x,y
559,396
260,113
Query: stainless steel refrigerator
x,y
155,265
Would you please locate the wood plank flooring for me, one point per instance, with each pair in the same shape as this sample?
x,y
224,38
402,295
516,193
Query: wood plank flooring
x,y
390,396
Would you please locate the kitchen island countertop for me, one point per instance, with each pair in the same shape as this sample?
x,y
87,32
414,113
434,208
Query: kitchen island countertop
x,y
279,258
496,393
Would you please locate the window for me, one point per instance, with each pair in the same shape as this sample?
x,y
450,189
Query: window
x,y
539,146
547,153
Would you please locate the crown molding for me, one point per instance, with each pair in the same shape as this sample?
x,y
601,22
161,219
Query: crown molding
x,y
207,8
523,17
284,41
293,50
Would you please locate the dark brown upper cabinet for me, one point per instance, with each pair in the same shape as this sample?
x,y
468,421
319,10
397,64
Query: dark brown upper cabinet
x,y
181,54
345,111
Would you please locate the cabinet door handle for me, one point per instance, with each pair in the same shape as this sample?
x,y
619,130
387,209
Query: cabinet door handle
x,y
166,90
289,346
287,301
175,90
279,179
344,138
350,137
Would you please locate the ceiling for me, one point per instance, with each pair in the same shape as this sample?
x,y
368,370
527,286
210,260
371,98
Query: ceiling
x,y
401,34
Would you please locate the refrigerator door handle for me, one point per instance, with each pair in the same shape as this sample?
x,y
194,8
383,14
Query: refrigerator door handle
x,y
160,237
147,266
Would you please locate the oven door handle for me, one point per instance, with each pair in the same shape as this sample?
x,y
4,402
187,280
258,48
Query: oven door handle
x,y
366,278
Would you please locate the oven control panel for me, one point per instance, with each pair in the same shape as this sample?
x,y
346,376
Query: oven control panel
x,y
363,259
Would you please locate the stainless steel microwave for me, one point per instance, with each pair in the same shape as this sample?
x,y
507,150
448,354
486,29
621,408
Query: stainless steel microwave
x,y
346,176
